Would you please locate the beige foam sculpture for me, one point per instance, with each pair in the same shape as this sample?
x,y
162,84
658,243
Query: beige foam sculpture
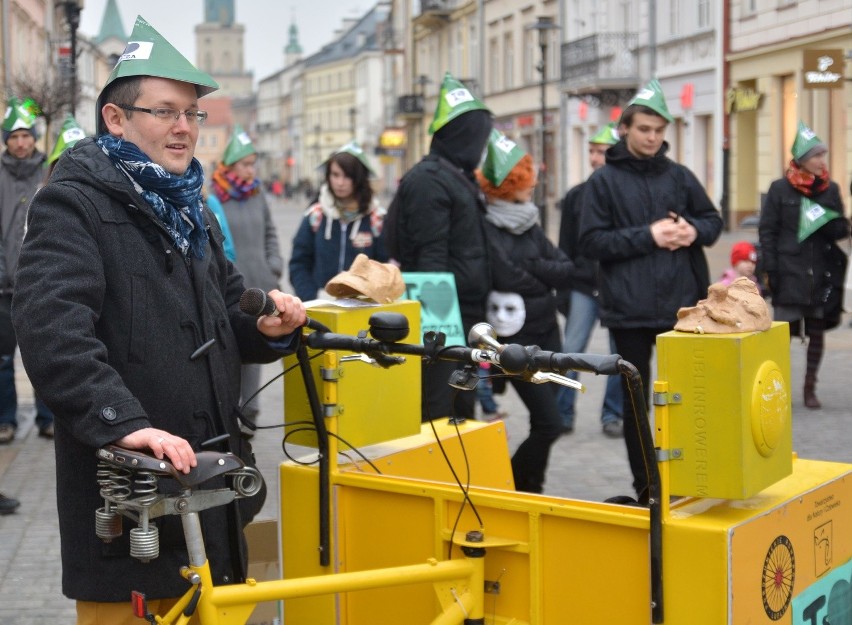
x,y
727,309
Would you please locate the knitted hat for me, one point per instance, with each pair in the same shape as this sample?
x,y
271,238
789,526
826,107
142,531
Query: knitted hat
x,y
453,100
608,135
18,117
239,146
70,134
651,95
742,250
355,150
806,144
502,154
381,282
149,54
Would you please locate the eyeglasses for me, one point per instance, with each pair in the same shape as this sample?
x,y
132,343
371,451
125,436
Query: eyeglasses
x,y
170,115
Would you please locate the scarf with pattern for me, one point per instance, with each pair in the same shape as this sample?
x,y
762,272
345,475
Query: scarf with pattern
x,y
227,186
176,200
805,182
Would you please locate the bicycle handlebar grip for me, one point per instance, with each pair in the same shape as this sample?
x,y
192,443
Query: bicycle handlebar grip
x,y
604,364
331,340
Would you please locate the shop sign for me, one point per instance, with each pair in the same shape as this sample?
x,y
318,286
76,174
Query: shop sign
x,y
741,100
822,69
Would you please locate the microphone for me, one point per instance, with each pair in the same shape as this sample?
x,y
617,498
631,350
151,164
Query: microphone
x,y
257,303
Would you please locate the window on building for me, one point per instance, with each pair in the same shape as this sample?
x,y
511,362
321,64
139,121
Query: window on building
x,y
508,62
703,13
674,17
529,57
474,50
494,64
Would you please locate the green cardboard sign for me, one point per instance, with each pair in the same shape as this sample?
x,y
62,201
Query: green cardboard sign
x,y
439,303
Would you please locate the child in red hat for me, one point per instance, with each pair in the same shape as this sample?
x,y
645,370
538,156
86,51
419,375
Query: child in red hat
x,y
743,263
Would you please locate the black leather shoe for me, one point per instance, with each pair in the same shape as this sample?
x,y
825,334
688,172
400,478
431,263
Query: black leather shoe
x,y
8,505
47,431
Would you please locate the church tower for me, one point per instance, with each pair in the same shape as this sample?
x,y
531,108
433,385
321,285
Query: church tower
x,y
293,51
219,48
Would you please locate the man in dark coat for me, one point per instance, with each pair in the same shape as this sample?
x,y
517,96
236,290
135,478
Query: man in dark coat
x,y
646,220
121,281
440,224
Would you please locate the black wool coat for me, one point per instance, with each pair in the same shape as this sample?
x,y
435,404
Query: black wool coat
x,y
107,314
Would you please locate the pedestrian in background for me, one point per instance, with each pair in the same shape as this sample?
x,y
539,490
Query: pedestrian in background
x,y
237,193
435,224
582,305
128,317
647,220
743,264
800,222
346,220
526,268
21,174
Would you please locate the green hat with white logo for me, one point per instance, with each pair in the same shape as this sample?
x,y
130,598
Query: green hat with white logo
x,y
239,146
502,154
17,117
608,135
651,95
357,151
806,144
454,99
70,134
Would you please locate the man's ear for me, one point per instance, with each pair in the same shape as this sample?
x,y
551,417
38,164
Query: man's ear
x,y
114,119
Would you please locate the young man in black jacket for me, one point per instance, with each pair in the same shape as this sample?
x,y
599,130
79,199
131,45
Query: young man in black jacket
x,y
646,221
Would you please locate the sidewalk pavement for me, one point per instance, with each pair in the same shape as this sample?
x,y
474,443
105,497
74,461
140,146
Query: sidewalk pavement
x,y
584,465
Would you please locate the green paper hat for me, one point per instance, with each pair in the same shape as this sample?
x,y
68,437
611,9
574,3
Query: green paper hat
x,y
651,95
17,117
70,134
502,154
239,146
454,99
812,217
608,135
806,140
355,150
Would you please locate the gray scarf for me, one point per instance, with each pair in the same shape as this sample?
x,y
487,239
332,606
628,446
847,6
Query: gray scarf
x,y
516,218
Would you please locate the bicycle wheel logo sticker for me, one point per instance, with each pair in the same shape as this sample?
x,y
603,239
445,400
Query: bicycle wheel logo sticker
x,y
779,573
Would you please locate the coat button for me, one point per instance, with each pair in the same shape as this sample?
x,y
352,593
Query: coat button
x,y
109,413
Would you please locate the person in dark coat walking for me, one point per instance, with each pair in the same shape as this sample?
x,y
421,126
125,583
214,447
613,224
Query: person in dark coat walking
x,y
439,226
526,268
647,220
800,221
122,280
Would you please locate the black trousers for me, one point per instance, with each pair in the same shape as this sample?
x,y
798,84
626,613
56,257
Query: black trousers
x,y
529,462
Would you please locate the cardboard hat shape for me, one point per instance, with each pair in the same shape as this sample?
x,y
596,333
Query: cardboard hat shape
x,y
454,99
502,154
149,54
381,282
651,95
239,146
355,149
17,117
70,134
806,144
607,135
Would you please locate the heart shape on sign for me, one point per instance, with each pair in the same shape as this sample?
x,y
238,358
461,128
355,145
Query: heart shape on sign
x,y
439,299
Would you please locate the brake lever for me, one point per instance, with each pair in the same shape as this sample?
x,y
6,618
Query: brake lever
x,y
541,377
360,358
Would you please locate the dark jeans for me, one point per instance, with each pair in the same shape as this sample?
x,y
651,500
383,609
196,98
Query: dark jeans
x,y
636,346
439,399
529,463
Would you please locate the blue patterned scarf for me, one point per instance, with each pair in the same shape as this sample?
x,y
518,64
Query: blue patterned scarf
x,y
176,200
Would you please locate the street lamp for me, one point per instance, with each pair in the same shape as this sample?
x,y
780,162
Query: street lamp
x,y
543,26
72,15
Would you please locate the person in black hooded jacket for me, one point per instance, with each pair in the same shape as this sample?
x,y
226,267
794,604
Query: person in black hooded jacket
x,y
440,228
646,221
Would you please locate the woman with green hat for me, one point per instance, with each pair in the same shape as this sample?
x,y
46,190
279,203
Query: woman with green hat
x,y
237,199
800,221
346,220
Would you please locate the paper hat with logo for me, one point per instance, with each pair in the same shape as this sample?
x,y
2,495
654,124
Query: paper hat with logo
x,y
18,117
812,217
502,154
454,99
239,146
608,135
149,54
70,134
355,150
381,282
806,144
651,95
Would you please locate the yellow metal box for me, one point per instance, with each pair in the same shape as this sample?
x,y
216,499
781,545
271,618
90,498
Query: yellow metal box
x,y
372,404
730,429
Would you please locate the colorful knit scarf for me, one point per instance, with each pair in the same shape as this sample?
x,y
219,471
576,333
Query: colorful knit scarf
x,y
176,200
227,186
805,182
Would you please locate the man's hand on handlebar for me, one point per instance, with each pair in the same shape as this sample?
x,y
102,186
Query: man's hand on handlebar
x,y
290,315
161,443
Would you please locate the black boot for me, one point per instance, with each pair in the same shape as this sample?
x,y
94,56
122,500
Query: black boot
x,y
8,505
811,400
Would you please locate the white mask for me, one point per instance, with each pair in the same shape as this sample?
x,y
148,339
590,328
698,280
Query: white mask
x,y
505,312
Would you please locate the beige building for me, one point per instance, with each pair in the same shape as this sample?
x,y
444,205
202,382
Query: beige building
x,y
219,49
787,62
